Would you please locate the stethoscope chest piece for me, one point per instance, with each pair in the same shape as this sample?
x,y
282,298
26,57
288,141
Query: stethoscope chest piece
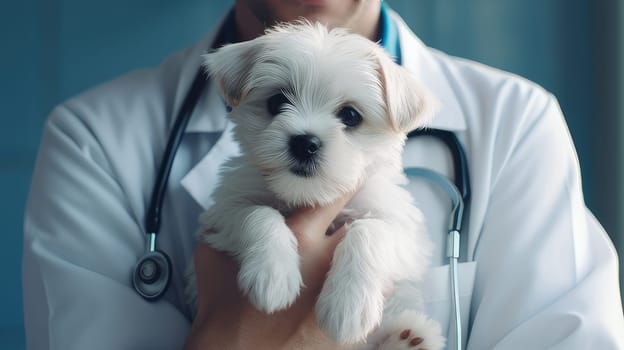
x,y
152,274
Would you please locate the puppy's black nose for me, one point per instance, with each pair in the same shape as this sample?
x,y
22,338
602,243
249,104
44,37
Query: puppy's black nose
x,y
304,147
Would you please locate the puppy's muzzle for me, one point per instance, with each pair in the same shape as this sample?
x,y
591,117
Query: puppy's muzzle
x,y
304,149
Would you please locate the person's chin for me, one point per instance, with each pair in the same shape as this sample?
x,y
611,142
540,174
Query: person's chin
x,y
322,14
315,3
323,11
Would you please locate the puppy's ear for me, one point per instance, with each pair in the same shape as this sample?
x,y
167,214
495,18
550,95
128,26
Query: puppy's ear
x,y
408,103
230,66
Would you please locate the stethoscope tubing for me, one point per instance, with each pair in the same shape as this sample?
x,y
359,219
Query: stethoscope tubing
x,y
152,218
457,200
151,274
197,87
461,174
453,236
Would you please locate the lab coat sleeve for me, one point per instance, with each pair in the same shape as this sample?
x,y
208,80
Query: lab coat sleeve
x,y
81,240
547,272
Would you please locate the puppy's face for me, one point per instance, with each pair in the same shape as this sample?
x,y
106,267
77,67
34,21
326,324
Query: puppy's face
x,y
316,111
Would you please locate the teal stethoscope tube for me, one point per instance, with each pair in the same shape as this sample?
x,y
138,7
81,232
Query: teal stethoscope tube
x,y
457,208
452,243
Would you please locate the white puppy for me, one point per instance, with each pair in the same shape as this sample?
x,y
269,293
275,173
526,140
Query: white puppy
x,y
318,114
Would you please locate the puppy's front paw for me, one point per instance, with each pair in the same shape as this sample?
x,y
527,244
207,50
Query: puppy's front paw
x,y
413,331
347,312
270,283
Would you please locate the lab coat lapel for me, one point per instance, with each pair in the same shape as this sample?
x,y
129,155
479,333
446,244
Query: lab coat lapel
x,y
201,181
209,117
421,61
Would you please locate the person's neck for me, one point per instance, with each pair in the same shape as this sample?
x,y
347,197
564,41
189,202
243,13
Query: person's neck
x,y
367,23
247,24
250,27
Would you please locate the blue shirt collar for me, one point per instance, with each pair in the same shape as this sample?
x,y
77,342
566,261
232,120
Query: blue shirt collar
x,y
389,34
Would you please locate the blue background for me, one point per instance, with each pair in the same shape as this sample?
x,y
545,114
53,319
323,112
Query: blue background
x,y
53,49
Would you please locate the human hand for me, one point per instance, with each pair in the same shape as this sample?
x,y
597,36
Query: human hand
x,y
227,320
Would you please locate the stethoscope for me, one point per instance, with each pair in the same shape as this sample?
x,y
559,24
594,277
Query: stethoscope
x,y
152,273
459,193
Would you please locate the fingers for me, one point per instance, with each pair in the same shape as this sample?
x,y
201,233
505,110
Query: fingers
x,y
213,268
220,299
316,255
313,220
216,272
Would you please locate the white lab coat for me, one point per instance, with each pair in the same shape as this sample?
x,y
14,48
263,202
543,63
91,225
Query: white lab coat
x,y
539,271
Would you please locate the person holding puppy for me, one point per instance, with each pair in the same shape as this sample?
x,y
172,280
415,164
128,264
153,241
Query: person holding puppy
x,y
534,256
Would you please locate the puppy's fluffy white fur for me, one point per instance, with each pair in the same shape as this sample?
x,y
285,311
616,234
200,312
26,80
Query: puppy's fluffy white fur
x,y
320,72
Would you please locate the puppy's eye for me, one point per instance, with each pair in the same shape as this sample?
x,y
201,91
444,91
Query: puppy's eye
x,y
276,102
349,117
